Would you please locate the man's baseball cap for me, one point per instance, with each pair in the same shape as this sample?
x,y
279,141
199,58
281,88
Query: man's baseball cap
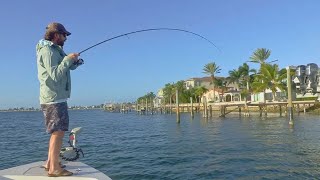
x,y
57,27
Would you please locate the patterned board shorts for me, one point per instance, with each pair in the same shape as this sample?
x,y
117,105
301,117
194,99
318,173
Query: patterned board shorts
x,y
56,117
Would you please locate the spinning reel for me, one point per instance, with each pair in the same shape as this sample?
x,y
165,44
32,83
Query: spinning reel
x,y
79,62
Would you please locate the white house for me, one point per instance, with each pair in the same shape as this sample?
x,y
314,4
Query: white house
x,y
157,101
259,97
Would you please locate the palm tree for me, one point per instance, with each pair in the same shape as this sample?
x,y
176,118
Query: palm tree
x,y
200,90
235,76
269,78
183,96
245,74
168,91
241,76
151,95
191,92
212,69
260,56
221,84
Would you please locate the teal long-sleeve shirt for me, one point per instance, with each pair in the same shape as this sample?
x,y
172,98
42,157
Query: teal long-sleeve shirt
x,y
53,72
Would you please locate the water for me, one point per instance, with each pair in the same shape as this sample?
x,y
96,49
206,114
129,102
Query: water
x,y
130,146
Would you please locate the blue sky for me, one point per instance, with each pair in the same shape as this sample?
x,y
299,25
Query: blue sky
x,y
129,67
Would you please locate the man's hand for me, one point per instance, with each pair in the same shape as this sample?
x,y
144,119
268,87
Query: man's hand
x,y
74,56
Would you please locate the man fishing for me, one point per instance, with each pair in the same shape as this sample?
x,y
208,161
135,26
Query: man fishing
x,y
55,86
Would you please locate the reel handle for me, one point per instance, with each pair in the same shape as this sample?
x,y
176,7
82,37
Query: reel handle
x,y
79,62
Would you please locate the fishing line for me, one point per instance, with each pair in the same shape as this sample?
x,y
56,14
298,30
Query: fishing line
x,y
144,30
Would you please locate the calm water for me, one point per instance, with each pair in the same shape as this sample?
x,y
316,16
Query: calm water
x,y
129,146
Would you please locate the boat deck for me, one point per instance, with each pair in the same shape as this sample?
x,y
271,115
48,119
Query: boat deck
x,y
34,171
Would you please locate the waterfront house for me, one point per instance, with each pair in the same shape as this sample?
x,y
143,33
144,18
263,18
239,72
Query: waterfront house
x,y
220,95
158,100
229,93
207,83
195,82
259,97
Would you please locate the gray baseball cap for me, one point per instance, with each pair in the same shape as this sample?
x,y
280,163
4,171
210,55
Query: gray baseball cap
x,y
57,27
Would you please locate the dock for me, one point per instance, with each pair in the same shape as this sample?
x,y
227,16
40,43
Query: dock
x,y
224,108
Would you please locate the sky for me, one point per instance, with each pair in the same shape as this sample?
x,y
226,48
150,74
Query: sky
x,y
129,67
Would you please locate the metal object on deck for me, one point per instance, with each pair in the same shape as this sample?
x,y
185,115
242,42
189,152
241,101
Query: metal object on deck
x,y
72,152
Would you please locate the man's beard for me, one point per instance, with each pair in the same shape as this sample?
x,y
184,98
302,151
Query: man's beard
x,y
61,43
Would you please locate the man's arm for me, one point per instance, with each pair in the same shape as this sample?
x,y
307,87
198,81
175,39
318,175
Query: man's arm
x,y
51,64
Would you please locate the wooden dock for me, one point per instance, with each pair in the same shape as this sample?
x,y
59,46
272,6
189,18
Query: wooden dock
x,y
224,108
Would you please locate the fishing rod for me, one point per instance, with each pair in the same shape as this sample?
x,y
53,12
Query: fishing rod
x,y
144,30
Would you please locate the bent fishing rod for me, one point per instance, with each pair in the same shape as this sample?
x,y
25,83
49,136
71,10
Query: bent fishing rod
x,y
144,30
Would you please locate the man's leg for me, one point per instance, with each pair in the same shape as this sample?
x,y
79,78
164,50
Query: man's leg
x,y
48,160
54,151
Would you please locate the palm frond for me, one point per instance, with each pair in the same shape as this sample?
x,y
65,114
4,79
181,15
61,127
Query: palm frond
x,y
260,55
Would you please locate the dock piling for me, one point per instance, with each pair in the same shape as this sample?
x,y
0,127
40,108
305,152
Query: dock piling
x,y
177,106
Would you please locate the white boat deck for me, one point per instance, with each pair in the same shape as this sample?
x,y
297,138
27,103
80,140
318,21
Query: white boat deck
x,y
33,171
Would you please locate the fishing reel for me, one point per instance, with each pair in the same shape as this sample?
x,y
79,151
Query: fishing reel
x,y
79,62
72,152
